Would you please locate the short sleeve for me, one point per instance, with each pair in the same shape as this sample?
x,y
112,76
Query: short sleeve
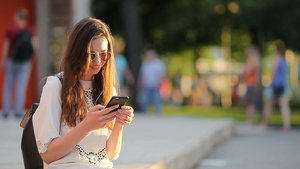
x,y
46,119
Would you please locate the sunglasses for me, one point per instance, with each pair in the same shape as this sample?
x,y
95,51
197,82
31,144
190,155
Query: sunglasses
x,y
104,56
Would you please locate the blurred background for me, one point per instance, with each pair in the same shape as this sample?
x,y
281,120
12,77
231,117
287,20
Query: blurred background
x,y
201,42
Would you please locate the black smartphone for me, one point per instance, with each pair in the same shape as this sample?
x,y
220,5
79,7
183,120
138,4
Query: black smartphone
x,y
120,100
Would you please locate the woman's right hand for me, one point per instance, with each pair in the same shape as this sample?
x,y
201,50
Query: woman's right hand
x,y
97,116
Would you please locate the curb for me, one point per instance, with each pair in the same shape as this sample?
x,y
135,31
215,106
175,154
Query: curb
x,y
190,158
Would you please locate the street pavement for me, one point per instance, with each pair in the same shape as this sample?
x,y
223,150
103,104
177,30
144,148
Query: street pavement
x,y
252,148
150,142
166,142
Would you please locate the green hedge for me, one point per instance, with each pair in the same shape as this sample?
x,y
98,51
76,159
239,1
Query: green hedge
x,y
236,113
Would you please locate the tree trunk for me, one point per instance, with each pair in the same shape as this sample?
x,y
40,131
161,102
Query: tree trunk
x,y
132,31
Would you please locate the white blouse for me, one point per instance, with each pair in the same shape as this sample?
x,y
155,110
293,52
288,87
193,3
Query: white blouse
x,y
90,152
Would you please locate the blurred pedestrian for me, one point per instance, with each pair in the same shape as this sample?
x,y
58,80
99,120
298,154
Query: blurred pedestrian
x,y
151,76
20,46
250,76
125,76
278,90
73,128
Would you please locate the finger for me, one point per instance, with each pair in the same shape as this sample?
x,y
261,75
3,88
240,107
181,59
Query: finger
x,y
124,123
108,119
127,122
97,107
109,109
110,114
105,117
124,118
127,108
128,119
121,117
126,112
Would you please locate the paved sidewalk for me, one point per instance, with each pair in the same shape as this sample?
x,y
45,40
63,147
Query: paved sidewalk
x,y
10,144
255,149
150,142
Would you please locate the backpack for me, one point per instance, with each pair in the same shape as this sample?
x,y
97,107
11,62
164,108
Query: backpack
x,y
23,49
31,156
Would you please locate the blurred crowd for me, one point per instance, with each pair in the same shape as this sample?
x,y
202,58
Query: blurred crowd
x,y
225,84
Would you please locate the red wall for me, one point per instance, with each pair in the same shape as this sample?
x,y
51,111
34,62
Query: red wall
x,y
8,8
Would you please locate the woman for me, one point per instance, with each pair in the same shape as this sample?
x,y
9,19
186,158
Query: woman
x,y
278,90
72,129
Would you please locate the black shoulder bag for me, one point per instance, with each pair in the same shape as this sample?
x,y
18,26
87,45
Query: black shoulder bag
x,y
31,156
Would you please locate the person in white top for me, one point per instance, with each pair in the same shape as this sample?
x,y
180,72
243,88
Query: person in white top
x,y
71,127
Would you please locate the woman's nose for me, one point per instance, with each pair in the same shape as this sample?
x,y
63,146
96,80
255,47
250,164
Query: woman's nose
x,y
97,60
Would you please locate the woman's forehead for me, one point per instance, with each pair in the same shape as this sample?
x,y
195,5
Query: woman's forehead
x,y
99,44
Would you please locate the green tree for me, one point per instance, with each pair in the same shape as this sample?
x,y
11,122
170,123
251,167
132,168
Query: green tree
x,y
183,25
271,20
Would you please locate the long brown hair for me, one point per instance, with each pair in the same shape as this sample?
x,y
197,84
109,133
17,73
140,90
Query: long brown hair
x,y
75,64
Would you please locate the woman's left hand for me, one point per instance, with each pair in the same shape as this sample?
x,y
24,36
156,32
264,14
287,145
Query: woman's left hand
x,y
125,115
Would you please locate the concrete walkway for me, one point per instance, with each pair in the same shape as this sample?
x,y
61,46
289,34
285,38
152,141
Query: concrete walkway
x,y
252,148
150,142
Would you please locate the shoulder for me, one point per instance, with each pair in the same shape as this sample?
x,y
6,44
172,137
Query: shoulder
x,y
52,83
160,63
276,60
32,31
11,30
51,90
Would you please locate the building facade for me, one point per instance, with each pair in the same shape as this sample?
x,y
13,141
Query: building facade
x,y
52,19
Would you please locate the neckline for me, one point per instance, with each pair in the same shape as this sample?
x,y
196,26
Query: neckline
x,y
86,85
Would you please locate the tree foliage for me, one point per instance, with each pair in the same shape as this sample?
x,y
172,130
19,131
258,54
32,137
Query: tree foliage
x,y
277,19
175,25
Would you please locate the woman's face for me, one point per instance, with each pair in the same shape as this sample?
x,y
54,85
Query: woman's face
x,y
98,54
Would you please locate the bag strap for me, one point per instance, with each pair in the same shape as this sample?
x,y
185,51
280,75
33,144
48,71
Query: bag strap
x,y
60,76
35,105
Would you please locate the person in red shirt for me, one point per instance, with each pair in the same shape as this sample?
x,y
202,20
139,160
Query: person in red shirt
x,y
250,78
16,71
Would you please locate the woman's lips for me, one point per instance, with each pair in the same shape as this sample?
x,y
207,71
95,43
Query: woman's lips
x,y
95,67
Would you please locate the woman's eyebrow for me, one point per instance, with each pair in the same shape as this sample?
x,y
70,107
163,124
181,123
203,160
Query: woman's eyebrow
x,y
99,51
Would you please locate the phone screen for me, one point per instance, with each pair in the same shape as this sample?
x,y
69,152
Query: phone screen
x,y
120,100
